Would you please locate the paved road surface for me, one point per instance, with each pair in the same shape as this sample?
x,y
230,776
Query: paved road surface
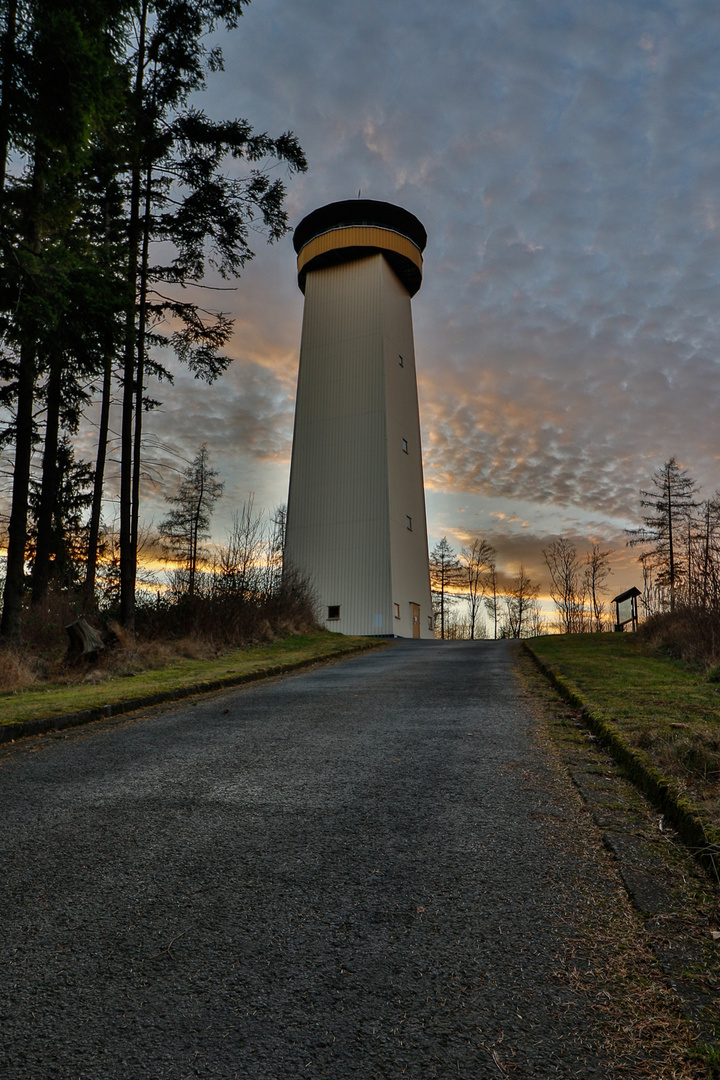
x,y
358,871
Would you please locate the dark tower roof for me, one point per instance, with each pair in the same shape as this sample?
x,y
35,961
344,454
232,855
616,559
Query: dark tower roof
x,y
361,214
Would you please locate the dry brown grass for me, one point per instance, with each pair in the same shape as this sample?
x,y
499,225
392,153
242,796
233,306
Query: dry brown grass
x,y
127,656
16,672
197,628
647,1034
688,634
692,755
611,965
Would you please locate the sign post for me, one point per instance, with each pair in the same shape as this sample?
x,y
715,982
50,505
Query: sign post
x,y
626,609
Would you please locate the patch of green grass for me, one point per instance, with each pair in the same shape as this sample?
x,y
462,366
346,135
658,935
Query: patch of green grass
x,y
710,1057
614,669
51,701
661,708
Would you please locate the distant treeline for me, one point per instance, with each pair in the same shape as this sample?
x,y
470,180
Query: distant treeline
x,y
472,575
680,538
679,557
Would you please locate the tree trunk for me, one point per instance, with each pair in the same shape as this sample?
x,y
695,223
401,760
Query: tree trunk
x,y
8,68
196,527
101,455
706,559
27,370
140,373
85,642
48,490
17,530
128,549
671,552
127,553
96,508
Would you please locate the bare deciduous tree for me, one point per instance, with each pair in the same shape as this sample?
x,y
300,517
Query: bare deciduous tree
x,y
476,560
492,598
275,550
520,607
707,561
565,583
239,565
597,569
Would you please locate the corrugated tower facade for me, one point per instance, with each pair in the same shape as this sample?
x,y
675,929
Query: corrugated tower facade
x,y
356,508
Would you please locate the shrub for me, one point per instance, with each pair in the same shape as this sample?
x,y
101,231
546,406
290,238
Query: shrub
x,y
167,627
229,619
688,634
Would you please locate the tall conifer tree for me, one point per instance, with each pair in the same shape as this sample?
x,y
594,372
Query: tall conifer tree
x,y
96,100
178,193
671,502
54,61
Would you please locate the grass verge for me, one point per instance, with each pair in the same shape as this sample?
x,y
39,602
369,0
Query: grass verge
x,y
178,679
611,958
660,720
650,979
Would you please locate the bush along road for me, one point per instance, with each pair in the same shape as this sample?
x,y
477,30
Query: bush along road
x,y
376,868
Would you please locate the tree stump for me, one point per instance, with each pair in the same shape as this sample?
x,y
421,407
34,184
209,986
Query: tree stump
x,y
85,642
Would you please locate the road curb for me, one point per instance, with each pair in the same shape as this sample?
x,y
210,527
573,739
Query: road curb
x,y
699,836
25,728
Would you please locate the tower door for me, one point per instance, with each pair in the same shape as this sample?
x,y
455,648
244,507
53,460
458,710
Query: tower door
x,y
415,612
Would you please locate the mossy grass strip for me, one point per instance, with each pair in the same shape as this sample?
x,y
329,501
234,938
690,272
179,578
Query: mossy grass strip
x,y
34,711
625,696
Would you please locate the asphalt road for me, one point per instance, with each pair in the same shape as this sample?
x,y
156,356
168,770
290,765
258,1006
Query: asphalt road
x,y
362,870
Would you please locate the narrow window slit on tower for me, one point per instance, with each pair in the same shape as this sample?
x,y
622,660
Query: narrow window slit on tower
x,y
409,522
401,362
404,442
397,610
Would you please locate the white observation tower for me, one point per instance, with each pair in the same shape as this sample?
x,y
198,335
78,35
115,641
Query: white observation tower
x,y
356,508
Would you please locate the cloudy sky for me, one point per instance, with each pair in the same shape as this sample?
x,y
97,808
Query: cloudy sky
x,y
564,157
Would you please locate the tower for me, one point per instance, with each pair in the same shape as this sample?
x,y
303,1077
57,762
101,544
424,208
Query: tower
x,y
356,508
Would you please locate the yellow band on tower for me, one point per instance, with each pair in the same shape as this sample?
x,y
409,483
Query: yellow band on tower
x,y
360,236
